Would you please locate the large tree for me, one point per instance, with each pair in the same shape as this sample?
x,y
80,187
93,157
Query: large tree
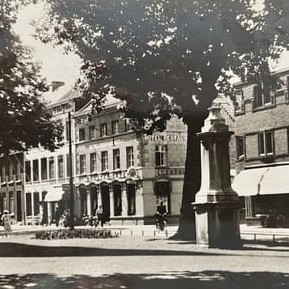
x,y
164,57
24,120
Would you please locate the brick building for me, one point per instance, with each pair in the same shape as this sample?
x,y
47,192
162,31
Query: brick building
x,y
262,147
129,174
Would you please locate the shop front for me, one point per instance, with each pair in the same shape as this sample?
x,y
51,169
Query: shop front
x,y
265,191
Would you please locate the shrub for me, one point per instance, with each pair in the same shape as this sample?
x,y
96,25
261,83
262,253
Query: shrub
x,y
72,234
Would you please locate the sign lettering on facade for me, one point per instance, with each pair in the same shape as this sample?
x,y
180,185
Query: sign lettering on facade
x,y
170,172
166,137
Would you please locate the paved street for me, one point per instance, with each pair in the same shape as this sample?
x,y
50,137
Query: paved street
x,y
138,262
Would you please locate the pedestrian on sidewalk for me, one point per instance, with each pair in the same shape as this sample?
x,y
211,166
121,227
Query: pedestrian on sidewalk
x,y
6,220
100,216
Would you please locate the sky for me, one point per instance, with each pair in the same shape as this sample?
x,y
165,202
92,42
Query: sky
x,y
60,67
56,66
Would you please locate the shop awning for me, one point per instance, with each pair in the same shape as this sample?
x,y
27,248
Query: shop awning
x,y
263,181
276,181
54,195
248,182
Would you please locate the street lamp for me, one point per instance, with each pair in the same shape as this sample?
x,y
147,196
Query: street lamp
x,y
71,221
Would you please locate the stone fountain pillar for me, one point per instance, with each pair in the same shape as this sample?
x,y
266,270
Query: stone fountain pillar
x,y
216,204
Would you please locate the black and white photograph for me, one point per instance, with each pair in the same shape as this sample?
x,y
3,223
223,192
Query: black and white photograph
x,y
144,144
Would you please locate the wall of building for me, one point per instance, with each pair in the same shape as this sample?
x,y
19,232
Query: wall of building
x,y
266,117
144,149
12,186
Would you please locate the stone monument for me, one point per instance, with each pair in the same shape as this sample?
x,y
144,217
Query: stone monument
x,y
216,205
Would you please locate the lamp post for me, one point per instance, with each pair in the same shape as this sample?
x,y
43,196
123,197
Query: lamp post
x,y
71,217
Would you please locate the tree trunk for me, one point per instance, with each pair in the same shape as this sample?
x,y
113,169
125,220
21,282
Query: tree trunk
x,y
192,182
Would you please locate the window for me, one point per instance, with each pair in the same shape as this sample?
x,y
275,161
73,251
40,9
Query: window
x,y
51,168
114,127
36,203
27,171
131,199
61,138
239,100
104,161
93,162
28,204
92,132
266,143
10,171
126,125
129,157
18,171
81,133
11,202
161,155
3,173
117,202
35,171
103,129
44,169
67,130
240,147
116,159
261,95
82,164
60,161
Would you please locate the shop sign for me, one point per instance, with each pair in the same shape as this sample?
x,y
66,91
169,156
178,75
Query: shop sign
x,y
166,137
170,172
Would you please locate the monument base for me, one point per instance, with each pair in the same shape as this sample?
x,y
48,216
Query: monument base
x,y
217,225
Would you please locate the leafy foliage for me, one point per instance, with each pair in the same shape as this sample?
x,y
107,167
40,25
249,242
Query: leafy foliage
x,y
24,120
161,53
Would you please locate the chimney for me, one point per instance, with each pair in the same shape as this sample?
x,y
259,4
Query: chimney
x,y
56,84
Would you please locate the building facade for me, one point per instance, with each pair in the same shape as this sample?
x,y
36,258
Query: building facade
x,y
47,173
127,173
12,185
262,146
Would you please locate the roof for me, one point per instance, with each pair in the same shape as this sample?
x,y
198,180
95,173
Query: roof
x,y
110,102
59,95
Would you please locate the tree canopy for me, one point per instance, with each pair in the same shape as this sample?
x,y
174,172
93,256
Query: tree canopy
x,y
161,53
24,120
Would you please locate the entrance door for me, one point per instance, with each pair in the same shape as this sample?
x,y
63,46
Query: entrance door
x,y
117,199
19,206
105,199
93,199
162,191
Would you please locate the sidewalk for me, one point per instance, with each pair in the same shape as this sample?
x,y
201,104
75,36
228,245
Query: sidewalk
x,y
149,230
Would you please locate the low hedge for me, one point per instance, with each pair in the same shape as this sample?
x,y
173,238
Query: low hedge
x,y
76,233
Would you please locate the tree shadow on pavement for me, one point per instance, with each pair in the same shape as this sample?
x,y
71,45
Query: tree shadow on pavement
x,y
167,280
11,249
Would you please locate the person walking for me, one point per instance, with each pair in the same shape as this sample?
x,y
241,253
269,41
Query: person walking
x,y
100,216
6,220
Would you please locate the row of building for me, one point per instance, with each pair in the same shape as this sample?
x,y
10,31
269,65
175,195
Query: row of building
x,y
129,174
